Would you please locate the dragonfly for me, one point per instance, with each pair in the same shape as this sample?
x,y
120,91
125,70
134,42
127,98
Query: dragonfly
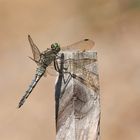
x,y
49,58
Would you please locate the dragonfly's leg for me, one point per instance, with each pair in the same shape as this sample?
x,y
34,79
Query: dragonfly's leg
x,y
57,56
62,64
59,69
63,70
56,66
62,61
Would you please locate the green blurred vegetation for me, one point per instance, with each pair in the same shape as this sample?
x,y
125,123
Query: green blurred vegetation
x,y
133,4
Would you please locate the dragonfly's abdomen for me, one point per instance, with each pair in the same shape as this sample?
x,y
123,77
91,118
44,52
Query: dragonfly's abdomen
x,y
39,72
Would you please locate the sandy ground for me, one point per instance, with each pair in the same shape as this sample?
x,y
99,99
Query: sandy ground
x,y
113,25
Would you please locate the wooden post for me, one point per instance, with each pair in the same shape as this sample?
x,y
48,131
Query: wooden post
x,y
77,99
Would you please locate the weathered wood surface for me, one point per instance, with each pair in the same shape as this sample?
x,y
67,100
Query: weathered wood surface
x,y
78,100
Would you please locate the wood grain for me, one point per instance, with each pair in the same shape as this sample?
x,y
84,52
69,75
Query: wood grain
x,y
78,100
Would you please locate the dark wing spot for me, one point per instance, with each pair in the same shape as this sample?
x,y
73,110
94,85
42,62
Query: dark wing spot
x,y
86,39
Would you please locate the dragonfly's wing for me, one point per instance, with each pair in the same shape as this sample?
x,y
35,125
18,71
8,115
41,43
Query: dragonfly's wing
x,y
68,63
84,61
82,45
50,70
35,50
79,66
81,73
45,74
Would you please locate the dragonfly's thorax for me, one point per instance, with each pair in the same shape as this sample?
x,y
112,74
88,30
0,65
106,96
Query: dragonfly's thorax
x,y
47,57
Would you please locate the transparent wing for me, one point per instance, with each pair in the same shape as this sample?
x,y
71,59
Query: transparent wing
x,y
50,70
45,74
82,45
84,61
35,50
81,73
76,66
70,64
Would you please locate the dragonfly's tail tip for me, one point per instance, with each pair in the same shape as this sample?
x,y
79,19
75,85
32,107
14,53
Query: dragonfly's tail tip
x,y
19,105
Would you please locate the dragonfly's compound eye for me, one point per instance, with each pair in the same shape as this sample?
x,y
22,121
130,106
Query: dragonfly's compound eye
x,y
55,46
52,46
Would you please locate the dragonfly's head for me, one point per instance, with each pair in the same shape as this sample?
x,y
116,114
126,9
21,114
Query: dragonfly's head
x,y
55,47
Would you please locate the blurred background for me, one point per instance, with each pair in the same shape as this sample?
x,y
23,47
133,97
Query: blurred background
x,y
112,24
